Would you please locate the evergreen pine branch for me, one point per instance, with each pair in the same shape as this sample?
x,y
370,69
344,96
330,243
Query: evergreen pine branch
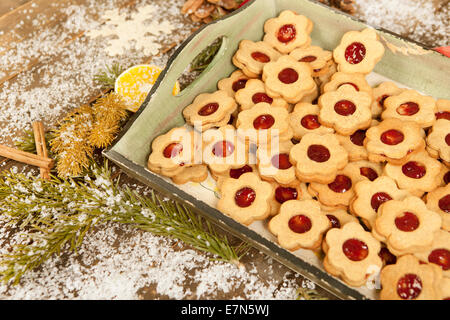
x,y
309,294
27,143
204,58
107,78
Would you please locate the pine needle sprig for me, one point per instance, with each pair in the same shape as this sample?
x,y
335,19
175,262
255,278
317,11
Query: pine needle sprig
x,y
27,143
107,78
309,294
204,58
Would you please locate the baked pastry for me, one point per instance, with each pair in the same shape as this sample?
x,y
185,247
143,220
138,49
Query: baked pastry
x,y
305,119
235,82
438,200
255,92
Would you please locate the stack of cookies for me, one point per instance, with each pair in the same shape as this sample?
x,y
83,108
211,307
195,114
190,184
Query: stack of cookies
x,y
298,136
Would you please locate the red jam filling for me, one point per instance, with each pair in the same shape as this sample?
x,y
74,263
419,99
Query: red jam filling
x,y
287,33
260,57
288,76
283,194
335,223
408,109
387,256
355,53
318,153
261,97
172,150
345,108
409,286
264,121
407,222
443,115
447,177
300,224
244,197
444,203
308,59
447,139
392,137
369,173
350,83
358,137
441,257
208,109
382,99
223,149
378,199
414,170
341,184
310,122
355,250
239,84
281,161
236,173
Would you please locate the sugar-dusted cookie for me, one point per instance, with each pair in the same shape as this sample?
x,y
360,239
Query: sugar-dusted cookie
x,y
196,173
410,105
356,80
346,110
274,164
394,141
354,143
315,56
305,119
438,200
419,175
339,218
438,253
235,82
254,93
318,158
438,140
210,110
288,31
245,199
358,52
251,57
408,279
383,91
289,79
281,194
406,225
352,254
300,224
443,109
370,195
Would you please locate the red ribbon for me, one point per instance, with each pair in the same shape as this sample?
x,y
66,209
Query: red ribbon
x,y
244,2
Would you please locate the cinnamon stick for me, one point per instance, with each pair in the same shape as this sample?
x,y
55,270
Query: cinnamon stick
x,y
41,146
26,157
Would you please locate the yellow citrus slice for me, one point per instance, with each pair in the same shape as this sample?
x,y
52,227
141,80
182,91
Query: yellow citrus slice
x,y
135,83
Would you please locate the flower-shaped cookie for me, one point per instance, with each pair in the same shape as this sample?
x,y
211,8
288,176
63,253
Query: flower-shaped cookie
x,y
196,173
354,144
408,279
438,140
288,79
419,175
274,164
245,199
380,94
254,93
281,194
438,253
339,218
443,109
233,83
172,152
305,119
262,123
406,225
394,141
315,56
364,170
251,57
288,31
234,173
444,176
356,80
210,110
300,224
223,150
370,195
346,110
358,52
438,200
410,105
318,158
352,254
326,77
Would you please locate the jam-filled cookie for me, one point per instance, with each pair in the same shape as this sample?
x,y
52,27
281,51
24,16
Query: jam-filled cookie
x,y
235,82
300,224
438,200
318,158
245,199
445,288
438,140
281,194
408,279
359,51
210,110
315,56
380,94
288,31
251,57
339,218
352,254
356,80
410,105
419,175
354,143
234,173
289,79
346,110
305,119
196,173
442,109
394,141
254,93
274,163
438,253
406,225
370,195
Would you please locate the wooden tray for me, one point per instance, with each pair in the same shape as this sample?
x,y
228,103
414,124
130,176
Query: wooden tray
x,y
428,72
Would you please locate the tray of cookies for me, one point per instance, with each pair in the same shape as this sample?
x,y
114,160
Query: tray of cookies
x,y
322,141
